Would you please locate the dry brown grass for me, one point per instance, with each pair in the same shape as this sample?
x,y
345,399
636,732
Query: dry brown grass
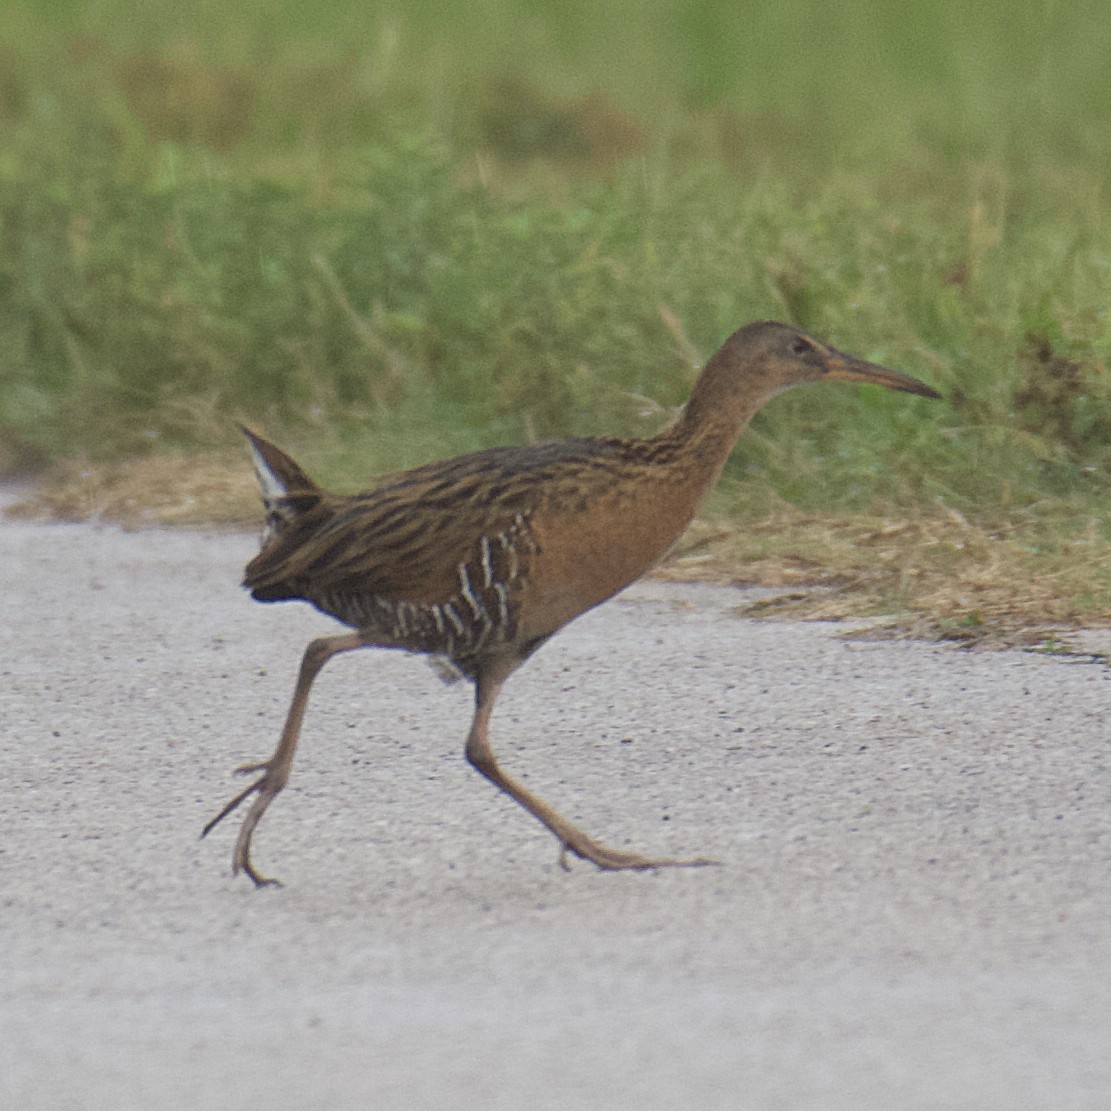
x,y
182,490
934,573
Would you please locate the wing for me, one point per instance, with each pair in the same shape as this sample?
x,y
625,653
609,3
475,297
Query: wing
x,y
406,539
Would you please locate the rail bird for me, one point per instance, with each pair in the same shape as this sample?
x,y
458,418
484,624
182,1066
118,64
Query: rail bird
x,y
476,561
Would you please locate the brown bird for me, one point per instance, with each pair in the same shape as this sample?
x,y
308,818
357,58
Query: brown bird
x,y
477,561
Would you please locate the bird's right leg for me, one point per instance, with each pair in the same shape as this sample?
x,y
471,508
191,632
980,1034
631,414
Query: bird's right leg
x,y
571,839
275,771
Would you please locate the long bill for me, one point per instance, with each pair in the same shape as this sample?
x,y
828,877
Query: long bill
x,y
847,368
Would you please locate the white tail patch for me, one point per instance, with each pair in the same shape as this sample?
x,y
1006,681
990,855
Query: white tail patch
x,y
271,484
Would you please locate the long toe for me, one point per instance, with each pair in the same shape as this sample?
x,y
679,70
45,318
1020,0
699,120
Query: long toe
x,y
609,860
258,880
250,769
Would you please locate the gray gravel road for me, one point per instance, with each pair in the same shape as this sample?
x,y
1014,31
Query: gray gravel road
x,y
913,909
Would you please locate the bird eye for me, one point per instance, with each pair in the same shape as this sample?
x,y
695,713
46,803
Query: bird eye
x,y
801,347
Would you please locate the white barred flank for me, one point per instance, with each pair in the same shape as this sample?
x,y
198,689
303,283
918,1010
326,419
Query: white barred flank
x,y
467,624
487,565
453,617
503,605
469,597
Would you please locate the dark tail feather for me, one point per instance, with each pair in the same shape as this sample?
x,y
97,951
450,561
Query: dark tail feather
x,y
286,490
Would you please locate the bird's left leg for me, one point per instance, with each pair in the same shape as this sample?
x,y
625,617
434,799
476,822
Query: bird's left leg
x,y
275,771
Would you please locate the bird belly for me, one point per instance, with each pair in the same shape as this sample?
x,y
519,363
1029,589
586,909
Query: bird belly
x,y
587,558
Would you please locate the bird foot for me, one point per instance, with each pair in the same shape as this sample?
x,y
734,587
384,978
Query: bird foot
x,y
266,787
612,860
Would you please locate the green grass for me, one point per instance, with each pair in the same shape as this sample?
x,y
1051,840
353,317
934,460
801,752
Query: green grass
x,y
396,232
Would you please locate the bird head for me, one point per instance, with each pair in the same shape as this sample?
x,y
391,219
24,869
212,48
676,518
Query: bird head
x,y
789,357
764,359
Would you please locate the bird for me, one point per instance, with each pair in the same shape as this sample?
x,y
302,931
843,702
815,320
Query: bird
x,y
478,560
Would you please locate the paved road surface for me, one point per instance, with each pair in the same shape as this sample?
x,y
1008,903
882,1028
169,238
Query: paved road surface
x,y
913,909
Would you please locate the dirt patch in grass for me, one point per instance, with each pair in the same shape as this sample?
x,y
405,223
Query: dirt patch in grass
x,y
1025,579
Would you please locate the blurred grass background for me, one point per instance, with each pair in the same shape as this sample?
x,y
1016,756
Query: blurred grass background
x,y
386,233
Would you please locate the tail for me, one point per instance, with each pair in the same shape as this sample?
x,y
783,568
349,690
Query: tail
x,y
287,492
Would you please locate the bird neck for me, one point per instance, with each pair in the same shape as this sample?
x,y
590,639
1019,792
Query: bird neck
x,y
723,401
686,458
730,390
